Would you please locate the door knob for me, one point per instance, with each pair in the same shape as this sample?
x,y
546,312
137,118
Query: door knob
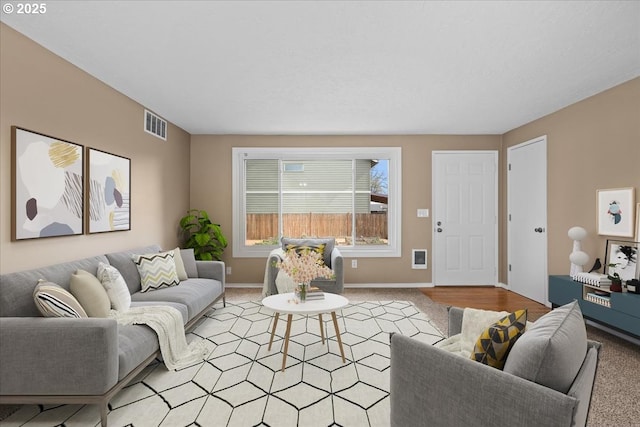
x,y
439,223
439,230
538,229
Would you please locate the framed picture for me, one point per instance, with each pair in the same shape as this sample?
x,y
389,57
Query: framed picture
x,y
638,222
48,186
622,257
109,183
615,212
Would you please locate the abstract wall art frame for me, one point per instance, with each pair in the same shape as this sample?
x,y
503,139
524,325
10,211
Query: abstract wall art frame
x,y
615,212
48,186
109,191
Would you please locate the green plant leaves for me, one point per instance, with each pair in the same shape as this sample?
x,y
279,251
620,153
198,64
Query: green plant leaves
x,y
202,235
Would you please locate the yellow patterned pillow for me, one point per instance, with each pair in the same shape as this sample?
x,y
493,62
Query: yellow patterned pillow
x,y
300,249
494,343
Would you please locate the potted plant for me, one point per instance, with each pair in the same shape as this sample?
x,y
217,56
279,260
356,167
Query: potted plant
x,y
616,281
203,236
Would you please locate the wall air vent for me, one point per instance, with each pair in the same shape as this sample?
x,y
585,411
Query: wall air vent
x,y
155,125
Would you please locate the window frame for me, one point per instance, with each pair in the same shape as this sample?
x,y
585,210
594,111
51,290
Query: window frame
x,y
285,154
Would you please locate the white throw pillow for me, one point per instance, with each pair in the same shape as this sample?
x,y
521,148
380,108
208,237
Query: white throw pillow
x,y
156,270
115,286
53,300
182,273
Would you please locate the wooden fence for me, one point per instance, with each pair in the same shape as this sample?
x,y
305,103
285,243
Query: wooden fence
x,y
265,226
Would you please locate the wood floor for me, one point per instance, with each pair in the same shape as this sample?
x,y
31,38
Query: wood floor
x,y
486,298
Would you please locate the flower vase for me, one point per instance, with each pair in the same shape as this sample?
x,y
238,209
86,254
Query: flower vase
x,y
301,291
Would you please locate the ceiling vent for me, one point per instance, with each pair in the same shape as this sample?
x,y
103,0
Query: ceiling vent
x,y
155,125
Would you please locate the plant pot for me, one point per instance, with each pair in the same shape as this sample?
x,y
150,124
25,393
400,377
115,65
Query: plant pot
x,y
616,286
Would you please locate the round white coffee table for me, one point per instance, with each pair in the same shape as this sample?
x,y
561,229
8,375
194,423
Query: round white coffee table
x,y
284,303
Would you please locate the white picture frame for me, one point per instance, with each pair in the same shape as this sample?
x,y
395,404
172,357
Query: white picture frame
x,y
615,212
638,222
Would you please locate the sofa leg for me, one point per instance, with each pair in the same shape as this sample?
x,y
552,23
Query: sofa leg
x,y
103,414
224,300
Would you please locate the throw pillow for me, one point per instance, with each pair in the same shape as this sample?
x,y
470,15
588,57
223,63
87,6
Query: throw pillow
x,y
116,287
189,261
323,246
90,293
553,349
156,271
180,270
54,301
493,345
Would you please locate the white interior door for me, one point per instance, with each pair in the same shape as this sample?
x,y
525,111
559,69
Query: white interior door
x,y
527,219
465,205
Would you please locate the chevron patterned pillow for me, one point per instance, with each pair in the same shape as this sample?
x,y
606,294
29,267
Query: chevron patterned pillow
x,y
156,270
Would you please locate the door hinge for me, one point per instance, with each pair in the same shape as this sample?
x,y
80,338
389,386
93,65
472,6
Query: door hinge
x,y
509,217
509,267
509,166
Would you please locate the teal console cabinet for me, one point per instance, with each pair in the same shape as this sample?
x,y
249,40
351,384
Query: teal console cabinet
x,y
618,310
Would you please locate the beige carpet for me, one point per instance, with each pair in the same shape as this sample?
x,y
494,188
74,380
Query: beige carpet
x,y
616,396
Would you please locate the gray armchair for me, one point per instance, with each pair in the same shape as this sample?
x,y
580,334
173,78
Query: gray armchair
x,y
332,258
432,387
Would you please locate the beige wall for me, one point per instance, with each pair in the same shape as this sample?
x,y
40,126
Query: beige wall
x,y
593,144
44,93
211,190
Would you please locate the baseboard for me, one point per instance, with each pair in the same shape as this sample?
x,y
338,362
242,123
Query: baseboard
x,y
347,285
502,285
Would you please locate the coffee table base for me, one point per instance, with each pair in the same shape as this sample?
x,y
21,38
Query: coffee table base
x,y
288,334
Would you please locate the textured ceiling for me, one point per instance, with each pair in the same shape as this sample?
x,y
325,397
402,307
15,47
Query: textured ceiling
x,y
332,67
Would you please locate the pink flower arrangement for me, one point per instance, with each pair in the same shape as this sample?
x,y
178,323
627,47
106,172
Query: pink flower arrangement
x,y
304,267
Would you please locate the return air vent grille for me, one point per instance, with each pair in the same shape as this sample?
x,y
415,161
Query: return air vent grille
x,y
155,125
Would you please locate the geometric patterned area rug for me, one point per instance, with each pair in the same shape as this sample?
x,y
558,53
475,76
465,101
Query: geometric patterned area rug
x,y
240,384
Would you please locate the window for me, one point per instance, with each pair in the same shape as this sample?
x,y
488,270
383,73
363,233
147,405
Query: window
x,y
352,194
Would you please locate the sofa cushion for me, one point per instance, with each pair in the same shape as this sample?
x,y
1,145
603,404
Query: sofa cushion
x,y
16,289
115,286
135,344
189,261
324,246
552,350
156,270
90,293
54,301
196,294
177,258
494,343
123,262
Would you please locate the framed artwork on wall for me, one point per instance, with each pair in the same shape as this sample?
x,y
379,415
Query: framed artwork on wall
x,y
638,222
48,186
622,257
109,184
615,212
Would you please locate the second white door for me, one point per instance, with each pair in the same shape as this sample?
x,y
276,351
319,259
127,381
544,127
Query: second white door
x,y
465,223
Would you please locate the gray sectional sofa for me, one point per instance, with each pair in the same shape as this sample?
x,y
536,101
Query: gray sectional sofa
x,y
64,360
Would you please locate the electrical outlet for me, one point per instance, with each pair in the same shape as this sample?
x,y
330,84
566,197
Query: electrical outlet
x,y
354,263
228,271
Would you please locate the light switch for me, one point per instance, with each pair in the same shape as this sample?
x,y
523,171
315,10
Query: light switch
x,y
423,213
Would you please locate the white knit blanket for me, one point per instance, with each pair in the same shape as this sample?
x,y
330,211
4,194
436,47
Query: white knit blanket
x,y
167,323
474,322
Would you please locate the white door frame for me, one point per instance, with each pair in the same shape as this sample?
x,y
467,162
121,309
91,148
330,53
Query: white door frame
x,y
434,207
510,243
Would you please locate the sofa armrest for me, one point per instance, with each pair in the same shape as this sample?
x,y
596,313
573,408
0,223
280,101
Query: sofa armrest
x,y
212,270
432,387
57,356
455,320
271,271
337,265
